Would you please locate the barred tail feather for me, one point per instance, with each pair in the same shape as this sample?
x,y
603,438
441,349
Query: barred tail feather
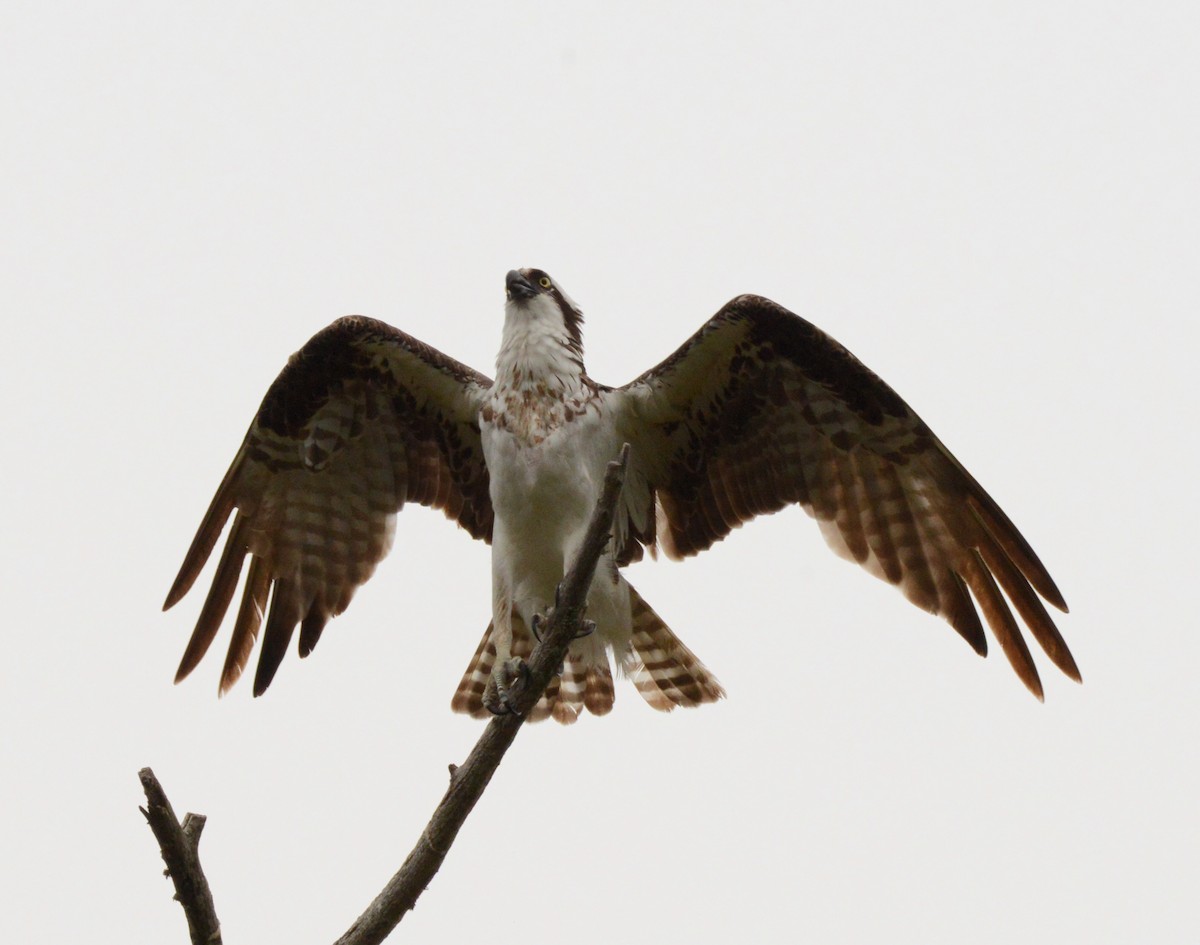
x,y
468,698
586,681
666,672
598,695
584,684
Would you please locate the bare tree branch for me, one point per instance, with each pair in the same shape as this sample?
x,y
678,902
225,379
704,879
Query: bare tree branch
x,y
179,844
468,780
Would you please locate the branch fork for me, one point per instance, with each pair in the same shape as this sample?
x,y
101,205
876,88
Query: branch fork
x,y
179,842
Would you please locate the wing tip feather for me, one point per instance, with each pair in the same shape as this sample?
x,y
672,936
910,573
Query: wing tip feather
x,y
175,594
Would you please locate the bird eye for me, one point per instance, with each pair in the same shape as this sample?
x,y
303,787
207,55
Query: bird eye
x,y
544,282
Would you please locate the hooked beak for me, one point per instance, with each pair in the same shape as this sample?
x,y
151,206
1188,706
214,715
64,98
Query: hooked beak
x,y
517,286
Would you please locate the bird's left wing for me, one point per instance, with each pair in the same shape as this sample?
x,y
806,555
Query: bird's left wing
x,y
363,419
760,409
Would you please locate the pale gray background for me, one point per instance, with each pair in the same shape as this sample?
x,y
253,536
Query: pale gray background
x,y
994,205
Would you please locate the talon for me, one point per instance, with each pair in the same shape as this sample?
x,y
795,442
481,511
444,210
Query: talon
x,y
535,627
586,629
493,701
497,697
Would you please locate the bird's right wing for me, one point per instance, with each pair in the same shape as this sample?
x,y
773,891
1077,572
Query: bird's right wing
x,y
363,419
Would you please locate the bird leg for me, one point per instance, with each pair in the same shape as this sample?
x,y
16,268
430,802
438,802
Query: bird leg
x,y
497,696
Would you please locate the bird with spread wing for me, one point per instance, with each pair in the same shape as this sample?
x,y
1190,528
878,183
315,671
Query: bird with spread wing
x,y
756,411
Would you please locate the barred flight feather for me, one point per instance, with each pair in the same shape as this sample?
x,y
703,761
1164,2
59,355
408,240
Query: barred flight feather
x,y
758,410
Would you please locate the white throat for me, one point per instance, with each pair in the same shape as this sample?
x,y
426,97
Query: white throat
x,y
534,348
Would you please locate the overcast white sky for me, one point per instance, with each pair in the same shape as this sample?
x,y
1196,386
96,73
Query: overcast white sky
x,y
994,205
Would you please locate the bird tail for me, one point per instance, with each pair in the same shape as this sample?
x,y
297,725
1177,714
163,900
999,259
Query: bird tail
x,y
468,697
586,681
666,672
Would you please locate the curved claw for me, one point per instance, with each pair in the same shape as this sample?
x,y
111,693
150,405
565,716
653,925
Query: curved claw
x,y
586,629
497,697
535,627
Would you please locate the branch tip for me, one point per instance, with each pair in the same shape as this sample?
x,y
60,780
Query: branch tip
x,y
178,845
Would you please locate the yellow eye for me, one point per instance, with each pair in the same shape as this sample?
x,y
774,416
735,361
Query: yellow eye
x,y
544,282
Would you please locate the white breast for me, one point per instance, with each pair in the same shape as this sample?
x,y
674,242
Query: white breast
x,y
546,465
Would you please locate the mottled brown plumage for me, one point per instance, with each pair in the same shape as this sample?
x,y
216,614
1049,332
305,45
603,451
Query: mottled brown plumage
x,y
758,410
362,420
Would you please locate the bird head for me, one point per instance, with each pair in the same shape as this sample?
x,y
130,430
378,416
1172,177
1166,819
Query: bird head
x,y
534,294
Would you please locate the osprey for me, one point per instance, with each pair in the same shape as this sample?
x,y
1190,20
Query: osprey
x,y
758,410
